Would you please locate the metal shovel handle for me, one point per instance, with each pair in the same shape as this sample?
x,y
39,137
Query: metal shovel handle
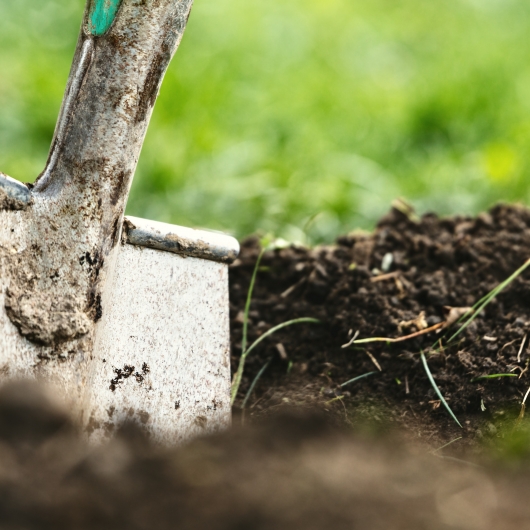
x,y
74,213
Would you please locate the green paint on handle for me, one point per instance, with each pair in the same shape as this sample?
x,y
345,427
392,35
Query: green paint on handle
x,y
102,15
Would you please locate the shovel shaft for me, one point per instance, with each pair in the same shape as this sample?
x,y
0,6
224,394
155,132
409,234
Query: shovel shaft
x,y
123,52
77,204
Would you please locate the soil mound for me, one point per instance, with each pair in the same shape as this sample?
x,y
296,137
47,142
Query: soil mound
x,y
405,276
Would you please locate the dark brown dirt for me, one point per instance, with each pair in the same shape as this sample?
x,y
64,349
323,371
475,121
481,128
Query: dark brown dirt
x,y
299,470
437,263
289,472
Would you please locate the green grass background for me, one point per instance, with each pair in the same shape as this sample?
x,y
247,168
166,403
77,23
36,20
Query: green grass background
x,y
302,118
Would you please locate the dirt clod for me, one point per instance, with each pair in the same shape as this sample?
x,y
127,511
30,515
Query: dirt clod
x,y
37,315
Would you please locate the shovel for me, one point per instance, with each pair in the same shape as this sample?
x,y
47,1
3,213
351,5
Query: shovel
x,y
126,319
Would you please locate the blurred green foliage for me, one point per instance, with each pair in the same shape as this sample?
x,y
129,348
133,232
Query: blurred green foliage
x,y
293,116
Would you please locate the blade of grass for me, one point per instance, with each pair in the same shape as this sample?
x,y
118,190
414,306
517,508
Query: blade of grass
x,y
484,301
249,298
492,376
372,339
338,398
239,374
253,385
447,445
437,390
523,408
357,378
281,326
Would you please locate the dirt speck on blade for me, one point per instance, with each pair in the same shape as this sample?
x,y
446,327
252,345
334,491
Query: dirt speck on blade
x,y
38,316
435,264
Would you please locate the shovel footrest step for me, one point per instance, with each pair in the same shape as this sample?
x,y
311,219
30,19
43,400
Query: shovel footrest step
x,y
204,244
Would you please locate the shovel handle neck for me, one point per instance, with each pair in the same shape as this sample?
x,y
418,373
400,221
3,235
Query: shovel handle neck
x,y
122,55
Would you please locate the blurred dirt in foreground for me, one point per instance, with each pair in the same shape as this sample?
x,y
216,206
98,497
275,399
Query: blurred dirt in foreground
x,y
291,471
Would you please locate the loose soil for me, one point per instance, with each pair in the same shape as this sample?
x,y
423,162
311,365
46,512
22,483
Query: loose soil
x,y
430,264
286,470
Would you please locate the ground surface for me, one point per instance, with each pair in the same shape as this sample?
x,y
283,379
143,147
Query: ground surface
x,y
296,469
433,263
